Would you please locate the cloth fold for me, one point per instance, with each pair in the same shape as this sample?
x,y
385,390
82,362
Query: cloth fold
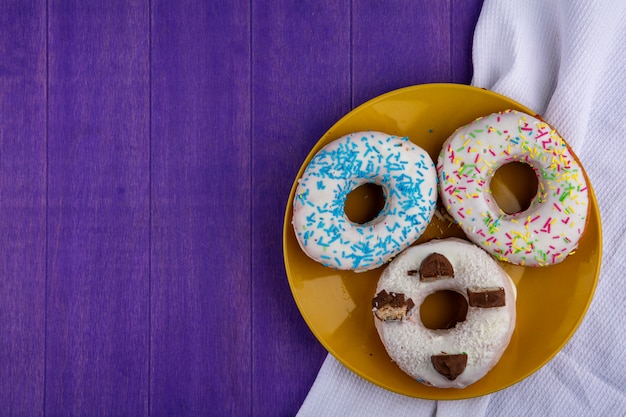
x,y
567,61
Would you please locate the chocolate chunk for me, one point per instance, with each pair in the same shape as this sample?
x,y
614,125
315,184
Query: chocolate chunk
x,y
381,299
435,266
392,306
493,297
412,272
450,366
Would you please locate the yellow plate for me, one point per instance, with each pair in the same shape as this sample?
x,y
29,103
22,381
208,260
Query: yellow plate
x,y
336,305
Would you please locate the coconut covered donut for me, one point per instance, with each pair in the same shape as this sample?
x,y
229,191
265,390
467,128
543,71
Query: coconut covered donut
x,y
551,227
408,179
458,356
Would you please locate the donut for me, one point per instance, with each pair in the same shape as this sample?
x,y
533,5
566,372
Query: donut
x,y
551,227
453,357
408,179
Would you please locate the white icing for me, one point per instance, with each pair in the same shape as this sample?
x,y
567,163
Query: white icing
x,y
551,227
408,178
485,333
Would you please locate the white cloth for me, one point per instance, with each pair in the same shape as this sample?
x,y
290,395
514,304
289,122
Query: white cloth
x,y
567,61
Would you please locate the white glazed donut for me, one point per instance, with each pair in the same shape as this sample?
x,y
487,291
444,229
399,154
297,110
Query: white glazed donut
x,y
543,234
408,178
445,358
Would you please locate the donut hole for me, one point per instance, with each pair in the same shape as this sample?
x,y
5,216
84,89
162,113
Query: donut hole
x,y
514,186
443,310
365,202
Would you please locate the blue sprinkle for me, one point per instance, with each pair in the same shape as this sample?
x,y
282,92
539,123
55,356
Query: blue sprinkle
x,y
393,228
362,159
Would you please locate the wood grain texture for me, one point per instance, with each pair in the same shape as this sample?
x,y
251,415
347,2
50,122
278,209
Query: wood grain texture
x,y
311,64
463,17
147,151
201,276
98,209
397,44
301,84
22,206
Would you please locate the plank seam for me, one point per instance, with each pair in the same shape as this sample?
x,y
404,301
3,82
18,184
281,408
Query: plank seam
x,y
452,76
251,184
351,56
150,225
46,136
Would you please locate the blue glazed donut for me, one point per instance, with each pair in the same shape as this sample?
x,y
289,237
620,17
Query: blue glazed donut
x,y
408,179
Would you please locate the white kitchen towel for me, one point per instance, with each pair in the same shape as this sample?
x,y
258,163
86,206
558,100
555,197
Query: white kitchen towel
x,y
567,61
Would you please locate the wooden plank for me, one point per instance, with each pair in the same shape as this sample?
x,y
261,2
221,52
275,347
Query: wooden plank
x,y
301,86
98,209
201,277
463,17
311,64
22,206
398,44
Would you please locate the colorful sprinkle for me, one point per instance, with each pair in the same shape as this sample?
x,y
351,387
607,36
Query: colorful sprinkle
x,y
561,200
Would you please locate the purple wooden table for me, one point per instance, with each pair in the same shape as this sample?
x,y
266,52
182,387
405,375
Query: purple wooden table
x,y
147,150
